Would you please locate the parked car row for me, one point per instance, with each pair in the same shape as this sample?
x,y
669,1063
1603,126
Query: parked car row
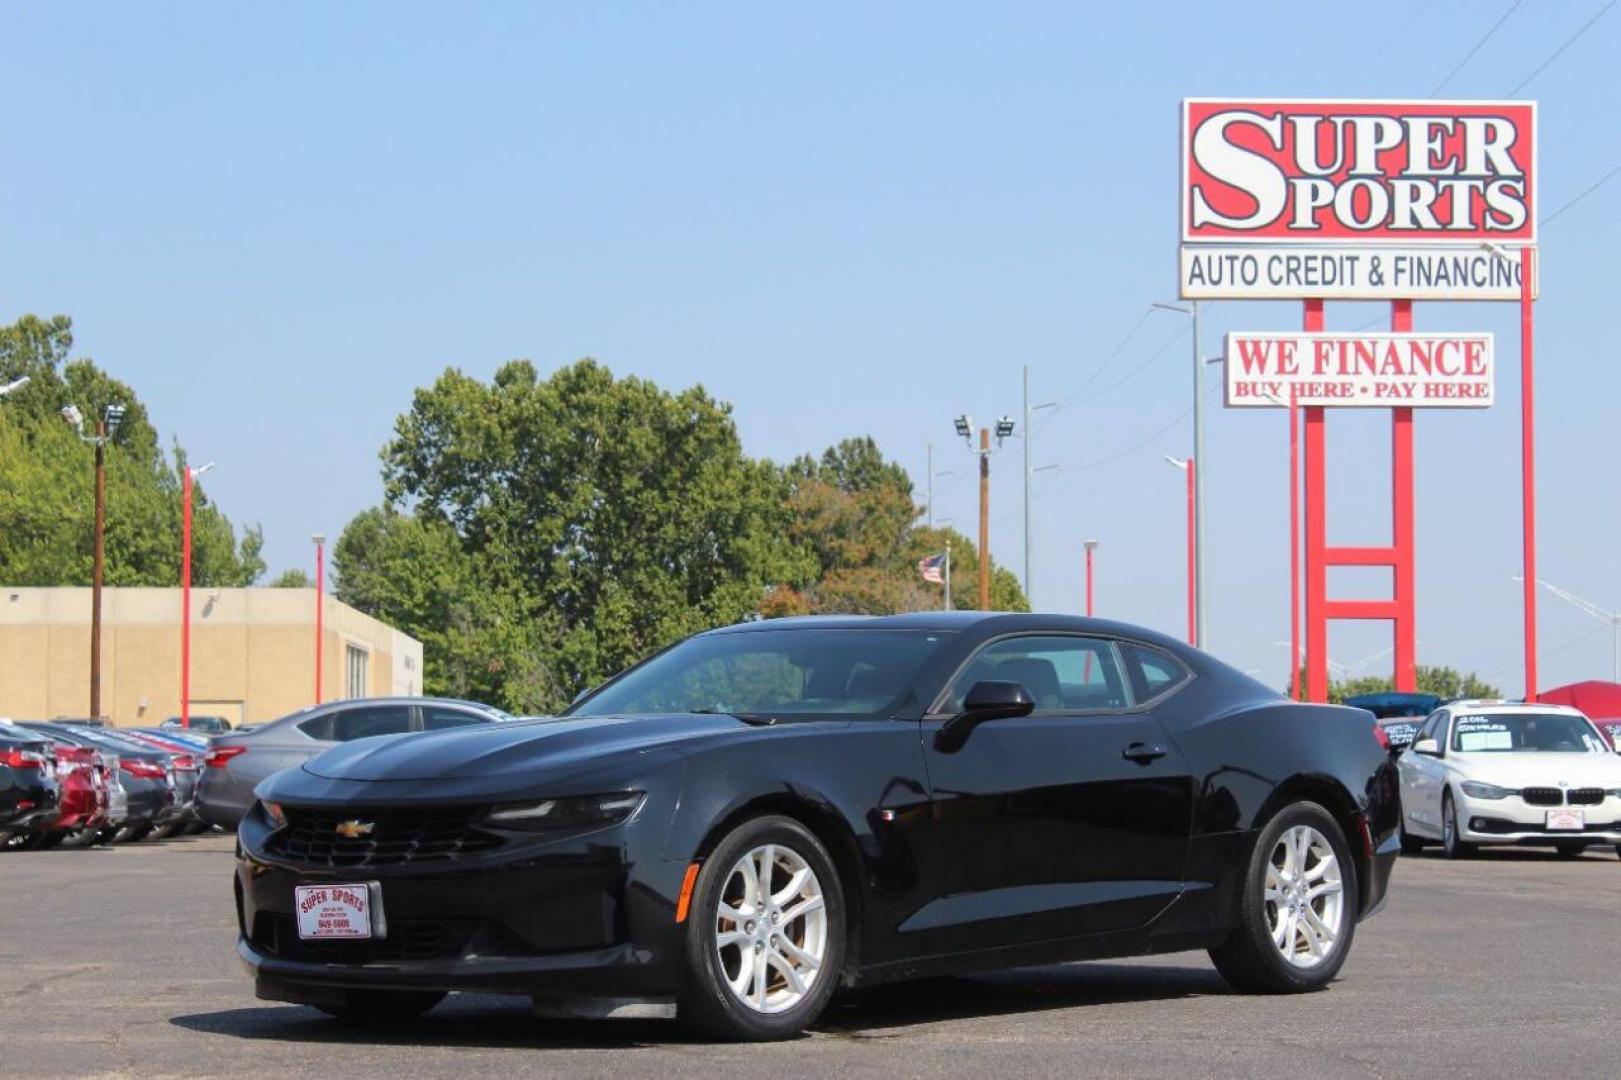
x,y
76,784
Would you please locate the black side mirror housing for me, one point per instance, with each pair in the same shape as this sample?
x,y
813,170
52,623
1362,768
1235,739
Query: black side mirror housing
x,y
989,700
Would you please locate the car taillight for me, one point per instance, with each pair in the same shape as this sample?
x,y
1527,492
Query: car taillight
x,y
23,759
145,769
1382,737
219,756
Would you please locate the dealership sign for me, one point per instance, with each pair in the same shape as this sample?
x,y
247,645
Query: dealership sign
x,y
1445,370
1375,199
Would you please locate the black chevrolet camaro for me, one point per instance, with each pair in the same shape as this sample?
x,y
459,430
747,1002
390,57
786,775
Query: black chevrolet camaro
x,y
759,815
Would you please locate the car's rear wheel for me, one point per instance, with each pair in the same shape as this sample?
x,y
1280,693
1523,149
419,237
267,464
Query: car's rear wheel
x,y
1454,847
765,933
78,838
1298,911
1570,851
129,834
383,1006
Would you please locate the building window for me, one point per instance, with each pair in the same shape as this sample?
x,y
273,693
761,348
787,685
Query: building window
x,y
358,671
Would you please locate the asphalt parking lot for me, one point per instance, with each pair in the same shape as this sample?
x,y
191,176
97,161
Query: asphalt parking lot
x,y
119,962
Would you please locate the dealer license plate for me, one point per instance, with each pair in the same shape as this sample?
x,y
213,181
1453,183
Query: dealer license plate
x,y
334,911
1566,820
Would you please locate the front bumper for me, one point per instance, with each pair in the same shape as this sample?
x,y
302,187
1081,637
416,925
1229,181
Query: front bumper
x,y
1514,821
580,917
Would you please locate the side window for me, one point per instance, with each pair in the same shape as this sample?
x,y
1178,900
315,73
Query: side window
x,y
1436,728
1152,672
440,718
1061,672
366,721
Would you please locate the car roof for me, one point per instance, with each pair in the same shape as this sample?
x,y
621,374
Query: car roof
x,y
1471,707
987,621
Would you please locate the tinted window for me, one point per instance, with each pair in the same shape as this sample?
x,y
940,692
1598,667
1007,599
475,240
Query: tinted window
x,y
439,718
1061,673
809,672
366,721
1152,672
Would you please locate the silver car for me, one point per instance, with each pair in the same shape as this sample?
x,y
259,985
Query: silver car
x,y
238,760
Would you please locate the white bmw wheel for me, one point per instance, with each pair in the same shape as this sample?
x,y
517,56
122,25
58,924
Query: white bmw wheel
x,y
771,929
1305,896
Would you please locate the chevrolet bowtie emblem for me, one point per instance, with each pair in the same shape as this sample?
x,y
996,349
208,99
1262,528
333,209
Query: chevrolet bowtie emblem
x,y
354,830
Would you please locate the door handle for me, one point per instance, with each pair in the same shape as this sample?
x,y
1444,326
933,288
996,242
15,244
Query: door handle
x,y
1143,753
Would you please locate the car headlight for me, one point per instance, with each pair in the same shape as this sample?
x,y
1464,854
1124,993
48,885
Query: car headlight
x,y
567,814
1476,790
273,811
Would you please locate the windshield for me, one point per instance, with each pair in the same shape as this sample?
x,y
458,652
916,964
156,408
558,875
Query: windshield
x,y
1548,733
777,673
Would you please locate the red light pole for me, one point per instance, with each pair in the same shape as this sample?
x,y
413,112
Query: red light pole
x,y
1189,466
1294,543
188,477
320,588
1091,546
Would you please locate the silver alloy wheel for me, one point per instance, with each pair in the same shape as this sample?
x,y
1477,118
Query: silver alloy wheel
x,y
771,929
1305,896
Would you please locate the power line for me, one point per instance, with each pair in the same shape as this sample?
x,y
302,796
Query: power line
x,y
1600,182
1568,43
1470,55
1417,9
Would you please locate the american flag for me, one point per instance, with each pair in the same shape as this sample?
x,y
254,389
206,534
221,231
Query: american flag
x,y
932,568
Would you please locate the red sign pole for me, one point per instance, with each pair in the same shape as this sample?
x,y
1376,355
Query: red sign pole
x,y
1316,482
1404,584
1294,542
1528,477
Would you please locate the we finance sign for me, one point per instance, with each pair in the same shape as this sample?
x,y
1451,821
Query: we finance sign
x,y
1300,199
1357,369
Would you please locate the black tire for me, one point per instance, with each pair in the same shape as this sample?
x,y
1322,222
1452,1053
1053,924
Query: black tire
x,y
131,834
1571,851
708,1006
162,832
1248,959
383,1006
1410,844
80,838
1450,844
34,841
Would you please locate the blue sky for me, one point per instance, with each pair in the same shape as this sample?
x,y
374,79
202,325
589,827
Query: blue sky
x,y
277,222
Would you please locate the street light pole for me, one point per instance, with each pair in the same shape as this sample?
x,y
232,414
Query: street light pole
x,y
1200,607
98,564
1026,430
984,519
320,587
1191,467
188,478
1091,546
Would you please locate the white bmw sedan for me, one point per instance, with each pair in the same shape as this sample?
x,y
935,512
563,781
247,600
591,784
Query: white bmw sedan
x,y
1485,772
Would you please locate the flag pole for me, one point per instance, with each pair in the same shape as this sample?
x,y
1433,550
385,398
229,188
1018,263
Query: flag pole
x,y
948,576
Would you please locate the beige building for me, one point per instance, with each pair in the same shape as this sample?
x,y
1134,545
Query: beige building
x,y
252,653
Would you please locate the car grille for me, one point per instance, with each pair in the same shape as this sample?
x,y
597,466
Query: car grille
x,y
407,940
1543,796
1585,796
311,837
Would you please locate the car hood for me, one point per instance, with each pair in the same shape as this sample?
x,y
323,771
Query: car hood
x,y
1541,770
492,751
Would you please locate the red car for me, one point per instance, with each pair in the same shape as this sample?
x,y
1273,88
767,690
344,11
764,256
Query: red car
x,y
83,804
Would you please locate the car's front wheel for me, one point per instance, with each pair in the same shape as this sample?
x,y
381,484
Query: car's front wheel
x,y
765,933
1454,847
1410,844
1298,910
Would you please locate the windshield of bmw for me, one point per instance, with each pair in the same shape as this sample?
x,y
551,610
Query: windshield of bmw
x,y
1549,733
775,673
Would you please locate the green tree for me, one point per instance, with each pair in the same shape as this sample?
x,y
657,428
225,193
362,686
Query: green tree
x,y
291,579
1443,682
540,535
47,480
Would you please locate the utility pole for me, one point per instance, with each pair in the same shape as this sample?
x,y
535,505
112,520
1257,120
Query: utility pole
x,y
1027,481
106,427
188,478
1091,546
320,588
96,570
984,519
1192,310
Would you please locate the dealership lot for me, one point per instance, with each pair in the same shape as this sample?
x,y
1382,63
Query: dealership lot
x,y
119,961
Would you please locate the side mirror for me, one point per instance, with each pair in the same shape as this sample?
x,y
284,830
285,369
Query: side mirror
x,y
989,700
1427,747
